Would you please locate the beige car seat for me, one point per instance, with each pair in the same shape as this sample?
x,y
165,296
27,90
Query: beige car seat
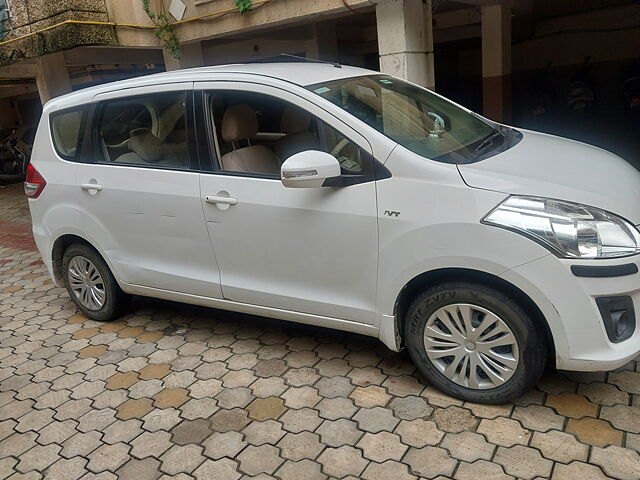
x,y
296,123
155,148
240,122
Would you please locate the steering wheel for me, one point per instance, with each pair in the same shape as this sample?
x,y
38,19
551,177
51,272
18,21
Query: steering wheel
x,y
339,147
345,162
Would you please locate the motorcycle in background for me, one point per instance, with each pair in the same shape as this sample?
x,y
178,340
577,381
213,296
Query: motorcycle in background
x,y
631,89
15,152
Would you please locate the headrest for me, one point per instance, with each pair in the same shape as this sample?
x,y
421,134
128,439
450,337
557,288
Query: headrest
x,y
239,122
294,120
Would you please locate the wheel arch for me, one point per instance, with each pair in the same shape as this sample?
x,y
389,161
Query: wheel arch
x,y
425,280
60,246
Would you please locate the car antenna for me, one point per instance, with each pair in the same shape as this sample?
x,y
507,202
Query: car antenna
x,y
335,64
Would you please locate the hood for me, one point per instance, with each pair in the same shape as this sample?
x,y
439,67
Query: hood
x,y
546,166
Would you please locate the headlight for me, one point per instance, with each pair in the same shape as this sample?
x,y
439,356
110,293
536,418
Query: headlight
x,y
568,229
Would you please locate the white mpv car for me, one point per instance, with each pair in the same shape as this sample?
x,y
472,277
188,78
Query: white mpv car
x,y
344,198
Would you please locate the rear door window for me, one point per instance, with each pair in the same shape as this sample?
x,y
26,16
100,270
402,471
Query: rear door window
x,y
148,130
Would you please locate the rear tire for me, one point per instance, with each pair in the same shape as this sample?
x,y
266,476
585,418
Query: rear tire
x,y
480,344
91,285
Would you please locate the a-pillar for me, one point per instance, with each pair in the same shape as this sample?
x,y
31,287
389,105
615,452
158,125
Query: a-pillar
x,y
496,62
405,40
52,76
190,56
324,43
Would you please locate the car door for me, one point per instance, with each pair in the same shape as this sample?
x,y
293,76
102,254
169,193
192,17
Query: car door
x,y
140,192
309,250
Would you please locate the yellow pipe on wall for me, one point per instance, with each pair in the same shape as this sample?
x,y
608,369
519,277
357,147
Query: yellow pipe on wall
x,y
127,25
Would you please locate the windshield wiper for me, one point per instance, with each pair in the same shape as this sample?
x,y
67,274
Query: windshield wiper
x,y
487,141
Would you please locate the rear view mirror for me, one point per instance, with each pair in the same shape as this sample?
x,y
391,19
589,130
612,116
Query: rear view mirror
x,y
309,169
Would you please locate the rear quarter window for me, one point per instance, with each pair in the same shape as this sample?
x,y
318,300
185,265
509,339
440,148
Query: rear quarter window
x,y
67,127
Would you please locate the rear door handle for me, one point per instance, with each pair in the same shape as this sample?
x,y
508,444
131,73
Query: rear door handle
x,y
91,186
221,200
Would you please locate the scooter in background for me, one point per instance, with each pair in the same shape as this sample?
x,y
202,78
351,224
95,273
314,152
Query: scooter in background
x,y
542,96
581,96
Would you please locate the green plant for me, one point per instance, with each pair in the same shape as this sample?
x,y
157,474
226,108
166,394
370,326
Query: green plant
x,y
164,28
244,5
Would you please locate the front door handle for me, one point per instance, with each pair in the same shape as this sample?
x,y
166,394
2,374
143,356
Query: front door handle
x,y
91,186
221,200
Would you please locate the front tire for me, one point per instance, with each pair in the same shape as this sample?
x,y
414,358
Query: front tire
x,y
474,342
91,285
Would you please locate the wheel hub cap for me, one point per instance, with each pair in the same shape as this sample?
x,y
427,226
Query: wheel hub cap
x,y
471,346
86,283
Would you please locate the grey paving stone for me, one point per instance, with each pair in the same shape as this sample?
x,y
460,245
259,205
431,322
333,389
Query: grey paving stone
x,y
376,419
151,444
298,446
264,459
429,462
222,469
389,470
304,469
81,444
260,433
181,459
67,469
382,446
523,462
120,431
481,470
410,407
300,420
220,445
560,446
617,462
468,446
34,420
238,397
161,419
334,387
342,461
419,433
57,432
38,458
191,431
147,469
108,457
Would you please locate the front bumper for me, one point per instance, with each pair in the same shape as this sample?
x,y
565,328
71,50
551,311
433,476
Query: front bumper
x,y
569,304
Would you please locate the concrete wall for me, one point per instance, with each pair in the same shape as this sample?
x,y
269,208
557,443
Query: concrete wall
x,y
35,15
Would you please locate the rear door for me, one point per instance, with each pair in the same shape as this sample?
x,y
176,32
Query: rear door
x,y
140,192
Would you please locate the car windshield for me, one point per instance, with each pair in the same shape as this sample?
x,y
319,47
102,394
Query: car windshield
x,y
416,118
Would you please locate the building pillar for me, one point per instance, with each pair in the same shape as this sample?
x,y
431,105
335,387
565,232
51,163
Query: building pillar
x,y
324,44
52,77
190,56
405,40
496,62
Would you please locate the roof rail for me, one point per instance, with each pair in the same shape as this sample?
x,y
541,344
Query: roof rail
x,y
335,64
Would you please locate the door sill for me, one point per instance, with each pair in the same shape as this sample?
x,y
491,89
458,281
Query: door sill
x,y
280,314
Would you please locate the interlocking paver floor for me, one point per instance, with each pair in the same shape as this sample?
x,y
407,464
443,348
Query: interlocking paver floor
x,y
176,391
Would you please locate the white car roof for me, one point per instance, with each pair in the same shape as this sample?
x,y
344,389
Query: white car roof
x,y
298,73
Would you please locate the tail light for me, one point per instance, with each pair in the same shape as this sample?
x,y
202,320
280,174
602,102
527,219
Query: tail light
x,y
35,183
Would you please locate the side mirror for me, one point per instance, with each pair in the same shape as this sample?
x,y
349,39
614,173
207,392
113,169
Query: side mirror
x,y
309,169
